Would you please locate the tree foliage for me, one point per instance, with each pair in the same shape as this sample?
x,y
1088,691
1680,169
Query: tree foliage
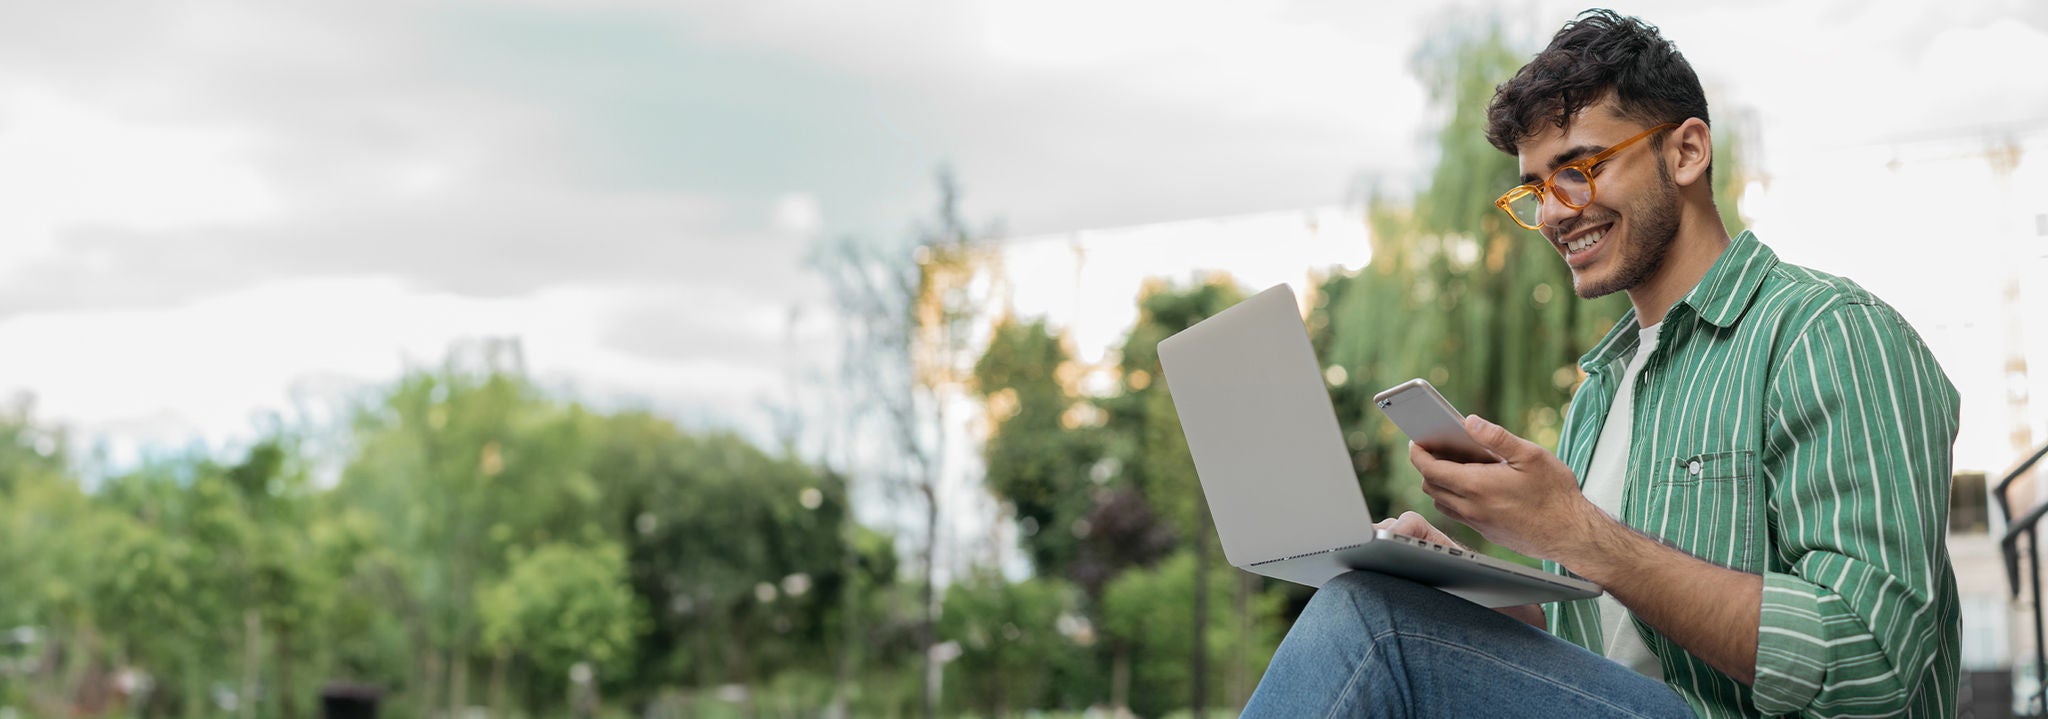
x,y
1014,653
1034,458
484,539
1149,609
561,605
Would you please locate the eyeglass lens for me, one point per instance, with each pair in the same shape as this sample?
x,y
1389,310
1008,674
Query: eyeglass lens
x,y
1572,186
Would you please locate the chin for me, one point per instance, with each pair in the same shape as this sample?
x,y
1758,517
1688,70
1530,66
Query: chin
x,y
1596,293
1597,286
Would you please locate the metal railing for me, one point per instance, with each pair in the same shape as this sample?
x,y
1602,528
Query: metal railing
x,y
2009,546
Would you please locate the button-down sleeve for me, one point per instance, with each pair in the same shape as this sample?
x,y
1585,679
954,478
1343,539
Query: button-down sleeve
x,y
1858,457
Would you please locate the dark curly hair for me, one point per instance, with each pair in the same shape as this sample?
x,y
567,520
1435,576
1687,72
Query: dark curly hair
x,y
1598,53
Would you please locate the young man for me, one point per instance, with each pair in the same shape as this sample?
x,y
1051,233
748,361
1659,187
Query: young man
x,y
1756,467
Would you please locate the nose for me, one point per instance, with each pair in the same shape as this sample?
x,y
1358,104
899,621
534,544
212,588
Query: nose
x,y
1554,212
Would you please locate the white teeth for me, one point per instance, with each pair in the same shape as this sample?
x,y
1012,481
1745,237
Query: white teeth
x,y
1589,240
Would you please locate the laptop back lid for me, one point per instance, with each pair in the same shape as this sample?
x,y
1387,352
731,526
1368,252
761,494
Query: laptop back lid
x,y
1264,437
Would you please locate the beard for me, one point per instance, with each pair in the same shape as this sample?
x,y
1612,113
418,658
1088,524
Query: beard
x,y
1653,224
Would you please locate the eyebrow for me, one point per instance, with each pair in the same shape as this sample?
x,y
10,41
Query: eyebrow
x,y
1564,157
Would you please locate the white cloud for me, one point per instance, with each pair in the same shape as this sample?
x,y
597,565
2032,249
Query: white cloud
x,y
798,214
630,186
63,164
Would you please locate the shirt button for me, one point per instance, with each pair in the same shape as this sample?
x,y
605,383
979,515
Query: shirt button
x,y
1693,468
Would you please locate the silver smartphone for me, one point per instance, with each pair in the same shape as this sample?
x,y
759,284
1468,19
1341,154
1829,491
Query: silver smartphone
x,y
1422,413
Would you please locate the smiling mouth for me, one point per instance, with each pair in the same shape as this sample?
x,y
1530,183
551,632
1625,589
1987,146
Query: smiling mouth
x,y
1585,241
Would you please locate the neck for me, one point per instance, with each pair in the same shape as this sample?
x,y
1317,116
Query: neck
x,y
1701,240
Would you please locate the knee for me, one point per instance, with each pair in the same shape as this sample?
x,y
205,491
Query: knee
x,y
1352,609
1353,581
1361,585
1369,596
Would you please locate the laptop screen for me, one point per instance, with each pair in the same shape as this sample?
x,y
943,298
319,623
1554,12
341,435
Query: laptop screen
x,y
1265,440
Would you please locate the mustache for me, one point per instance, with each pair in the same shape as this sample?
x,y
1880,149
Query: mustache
x,y
1557,232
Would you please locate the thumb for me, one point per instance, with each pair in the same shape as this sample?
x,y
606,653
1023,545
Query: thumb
x,y
1497,438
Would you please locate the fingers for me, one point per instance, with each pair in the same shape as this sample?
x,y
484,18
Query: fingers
x,y
1457,487
1450,509
1438,475
1447,503
1411,524
1424,462
1496,437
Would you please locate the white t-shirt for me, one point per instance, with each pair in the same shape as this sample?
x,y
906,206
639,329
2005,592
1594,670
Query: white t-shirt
x,y
1604,483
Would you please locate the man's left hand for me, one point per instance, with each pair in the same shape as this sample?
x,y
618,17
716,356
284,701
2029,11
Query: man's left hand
x,y
1529,502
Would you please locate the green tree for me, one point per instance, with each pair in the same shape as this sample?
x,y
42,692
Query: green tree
x,y
1148,611
736,556
461,465
477,522
906,314
50,543
205,578
29,454
1033,458
562,606
1013,653
371,626
1147,440
1102,487
284,593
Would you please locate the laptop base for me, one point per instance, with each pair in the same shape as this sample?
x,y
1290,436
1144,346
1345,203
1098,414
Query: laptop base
x,y
1447,568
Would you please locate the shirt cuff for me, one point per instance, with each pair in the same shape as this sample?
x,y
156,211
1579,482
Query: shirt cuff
x,y
1791,645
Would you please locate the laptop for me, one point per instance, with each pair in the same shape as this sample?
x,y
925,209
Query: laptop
x,y
1278,478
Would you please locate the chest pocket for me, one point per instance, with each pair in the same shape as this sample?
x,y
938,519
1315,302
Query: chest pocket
x,y
1713,467
1708,504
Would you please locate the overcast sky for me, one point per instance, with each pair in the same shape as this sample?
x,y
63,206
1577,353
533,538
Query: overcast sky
x,y
208,208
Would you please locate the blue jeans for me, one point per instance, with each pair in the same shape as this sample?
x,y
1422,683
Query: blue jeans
x,y
1370,645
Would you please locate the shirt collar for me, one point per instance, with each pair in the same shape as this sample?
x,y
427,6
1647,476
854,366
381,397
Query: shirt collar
x,y
1720,299
1725,293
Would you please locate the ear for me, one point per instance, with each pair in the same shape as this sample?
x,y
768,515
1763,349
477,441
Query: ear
x,y
1689,150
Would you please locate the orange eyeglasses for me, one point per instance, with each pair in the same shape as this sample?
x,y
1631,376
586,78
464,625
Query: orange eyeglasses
x,y
1572,184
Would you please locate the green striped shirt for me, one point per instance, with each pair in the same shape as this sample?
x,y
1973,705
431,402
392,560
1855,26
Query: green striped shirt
x,y
1791,425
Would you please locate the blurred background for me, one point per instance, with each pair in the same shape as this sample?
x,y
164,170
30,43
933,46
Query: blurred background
x,y
690,359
